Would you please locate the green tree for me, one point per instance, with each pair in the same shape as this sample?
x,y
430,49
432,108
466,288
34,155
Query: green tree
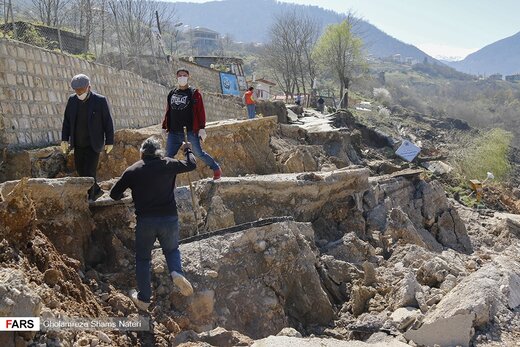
x,y
340,50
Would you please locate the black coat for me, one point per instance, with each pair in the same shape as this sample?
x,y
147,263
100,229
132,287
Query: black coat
x,y
100,124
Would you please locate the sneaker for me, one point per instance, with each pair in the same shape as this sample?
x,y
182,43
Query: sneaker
x,y
217,174
137,302
182,283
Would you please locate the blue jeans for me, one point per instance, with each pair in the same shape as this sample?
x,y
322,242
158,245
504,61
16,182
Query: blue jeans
x,y
251,111
175,140
166,229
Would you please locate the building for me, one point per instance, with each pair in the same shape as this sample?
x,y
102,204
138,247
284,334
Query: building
x,y
262,88
495,77
513,78
203,41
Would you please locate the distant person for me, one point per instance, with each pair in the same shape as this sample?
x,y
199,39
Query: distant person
x,y
250,102
299,99
152,181
87,128
185,108
321,104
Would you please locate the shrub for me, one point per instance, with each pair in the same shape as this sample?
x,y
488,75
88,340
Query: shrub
x,y
382,95
384,112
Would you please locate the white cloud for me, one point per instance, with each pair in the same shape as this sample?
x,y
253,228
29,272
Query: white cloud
x,y
446,52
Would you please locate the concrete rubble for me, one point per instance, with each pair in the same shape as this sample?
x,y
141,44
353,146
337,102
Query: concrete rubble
x,y
367,251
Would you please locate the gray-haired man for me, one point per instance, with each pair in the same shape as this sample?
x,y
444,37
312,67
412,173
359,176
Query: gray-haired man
x,y
152,181
88,128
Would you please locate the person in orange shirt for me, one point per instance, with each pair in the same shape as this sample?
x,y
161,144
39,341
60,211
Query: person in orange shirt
x,y
250,103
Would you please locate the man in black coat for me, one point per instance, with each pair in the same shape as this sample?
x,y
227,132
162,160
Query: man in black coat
x,y
152,181
87,128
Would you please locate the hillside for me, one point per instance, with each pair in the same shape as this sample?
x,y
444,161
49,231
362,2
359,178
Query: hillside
x,y
249,21
499,57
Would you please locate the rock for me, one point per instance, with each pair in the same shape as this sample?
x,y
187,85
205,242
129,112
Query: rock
x,y
369,278
359,298
401,228
351,249
18,298
451,232
84,341
291,332
437,167
224,338
449,283
218,215
202,305
456,331
246,279
94,342
121,303
51,277
104,337
406,290
433,272
184,337
405,316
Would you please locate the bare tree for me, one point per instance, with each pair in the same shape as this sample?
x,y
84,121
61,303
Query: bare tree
x,y
49,11
289,53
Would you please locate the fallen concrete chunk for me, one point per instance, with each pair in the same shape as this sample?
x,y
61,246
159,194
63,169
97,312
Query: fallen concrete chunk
x,y
405,316
277,341
452,331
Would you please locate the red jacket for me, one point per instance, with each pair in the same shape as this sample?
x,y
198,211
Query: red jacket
x,y
199,114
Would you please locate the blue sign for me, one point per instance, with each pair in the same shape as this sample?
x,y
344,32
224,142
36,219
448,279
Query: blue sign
x,y
229,84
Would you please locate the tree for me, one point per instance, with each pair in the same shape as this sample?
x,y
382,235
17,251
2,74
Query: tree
x,y
288,55
49,12
340,50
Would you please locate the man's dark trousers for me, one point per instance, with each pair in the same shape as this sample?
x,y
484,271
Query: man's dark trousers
x,y
86,161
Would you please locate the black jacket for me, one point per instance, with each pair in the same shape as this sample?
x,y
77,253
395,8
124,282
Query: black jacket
x,y
100,124
152,181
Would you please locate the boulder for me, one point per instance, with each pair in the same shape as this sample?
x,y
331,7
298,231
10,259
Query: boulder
x,y
401,229
452,331
224,338
405,292
278,286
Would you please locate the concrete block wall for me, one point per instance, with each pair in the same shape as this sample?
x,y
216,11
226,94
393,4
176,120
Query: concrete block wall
x,y
221,107
206,79
34,88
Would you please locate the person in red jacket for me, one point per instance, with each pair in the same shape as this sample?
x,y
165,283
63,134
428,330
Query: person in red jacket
x,y
185,108
250,103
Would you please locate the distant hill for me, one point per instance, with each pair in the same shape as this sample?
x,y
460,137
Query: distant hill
x,y
499,57
249,21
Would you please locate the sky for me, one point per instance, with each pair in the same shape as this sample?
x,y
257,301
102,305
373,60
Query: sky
x,y
442,28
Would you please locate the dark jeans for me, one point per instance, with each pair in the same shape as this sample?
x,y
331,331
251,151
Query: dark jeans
x,y
251,111
86,161
174,142
147,230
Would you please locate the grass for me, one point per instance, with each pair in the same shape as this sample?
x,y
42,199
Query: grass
x,y
487,153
